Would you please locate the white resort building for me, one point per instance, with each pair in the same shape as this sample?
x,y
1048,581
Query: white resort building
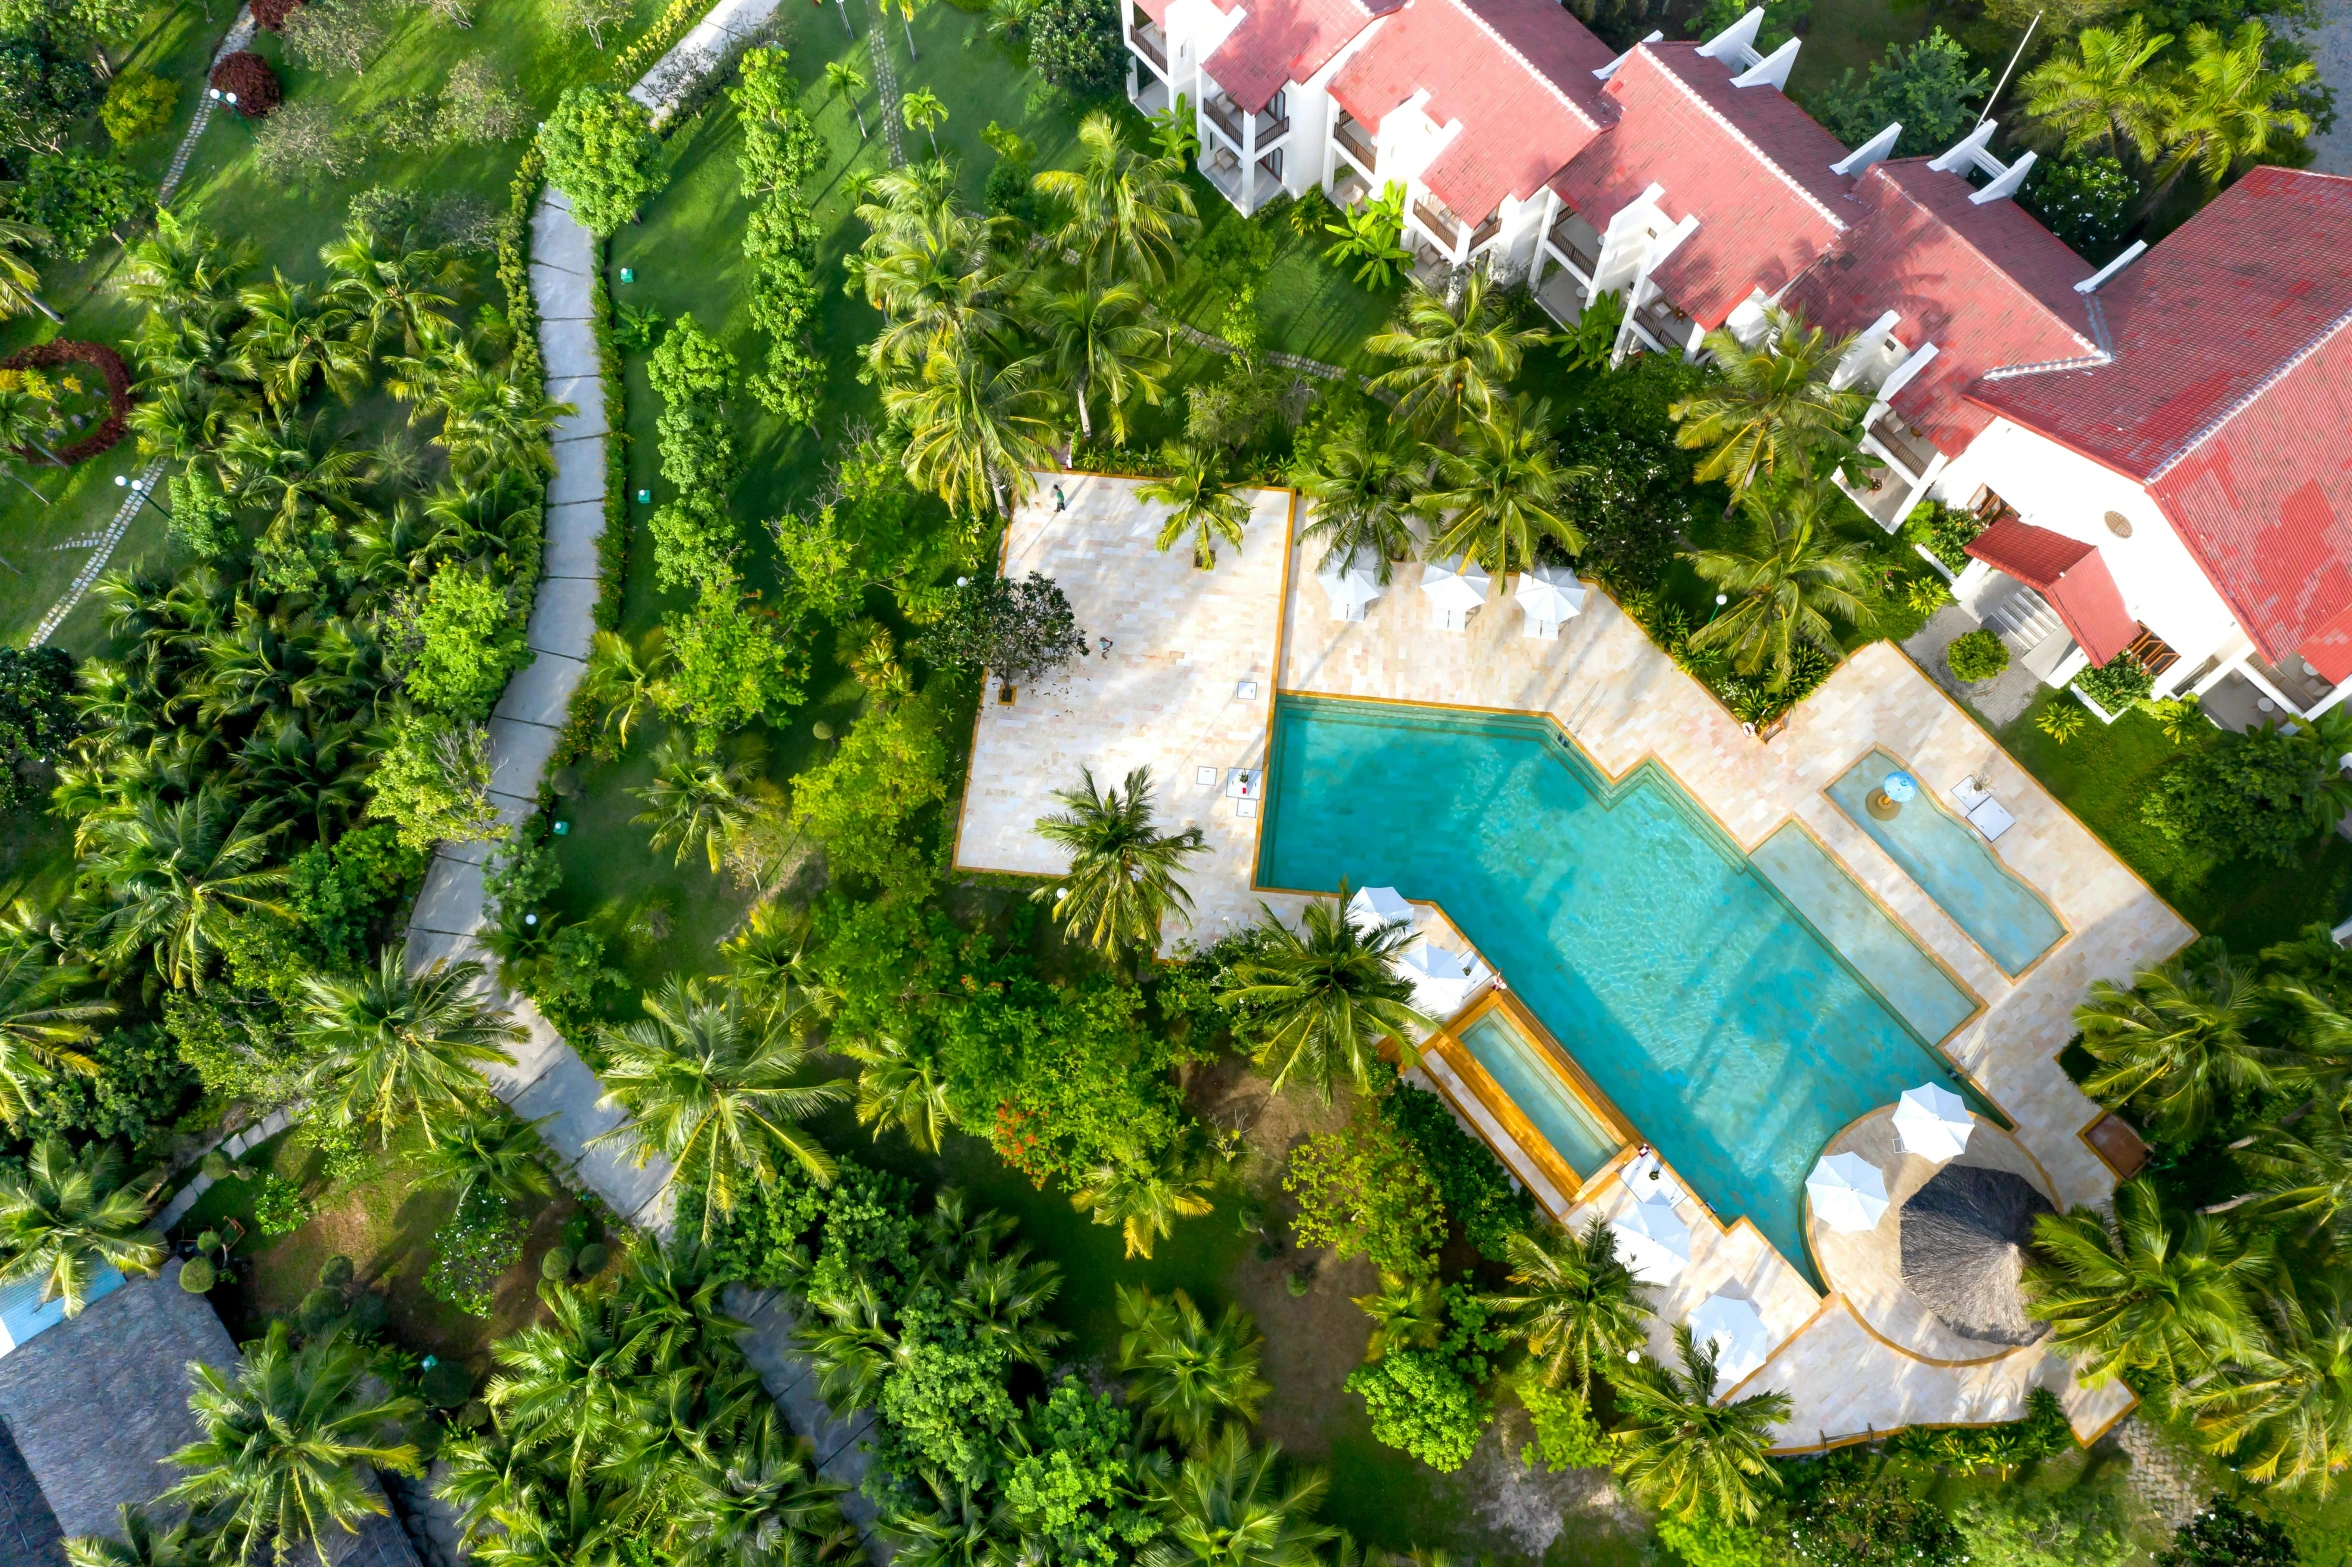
x,y
2162,446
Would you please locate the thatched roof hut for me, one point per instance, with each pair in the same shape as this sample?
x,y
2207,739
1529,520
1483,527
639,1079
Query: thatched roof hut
x,y
1964,1238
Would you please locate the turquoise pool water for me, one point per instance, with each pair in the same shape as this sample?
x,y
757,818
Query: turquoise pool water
x,y
1954,865
1515,1063
1713,1017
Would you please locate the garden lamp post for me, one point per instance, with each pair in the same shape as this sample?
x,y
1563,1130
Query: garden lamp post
x,y
143,490
229,101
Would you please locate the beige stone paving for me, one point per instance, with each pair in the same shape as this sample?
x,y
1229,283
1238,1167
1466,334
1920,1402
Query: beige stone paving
x,y
1166,697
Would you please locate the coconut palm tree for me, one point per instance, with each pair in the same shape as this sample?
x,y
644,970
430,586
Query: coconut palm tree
x,y
2230,104
2287,1412
1124,210
2179,1043
176,875
286,1444
896,1089
1323,997
1144,1194
714,1093
398,1046
846,83
943,277
570,1379
1573,1303
1098,341
628,680
1787,580
922,111
40,1024
702,802
295,334
1199,503
63,1218
1121,884
1770,409
1504,489
138,1542
1681,1452
281,465
184,266
2142,1291
305,777
494,1153
390,285
1229,1507
20,281
1455,356
1406,1313
2100,95
959,1527
763,1504
493,419
976,427
1366,483
1185,1375
2302,1169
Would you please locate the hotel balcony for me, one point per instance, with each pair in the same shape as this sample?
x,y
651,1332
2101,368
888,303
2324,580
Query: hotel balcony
x,y
1150,43
1439,223
1221,166
1906,443
1486,233
1150,95
1349,133
1561,294
1270,124
1576,243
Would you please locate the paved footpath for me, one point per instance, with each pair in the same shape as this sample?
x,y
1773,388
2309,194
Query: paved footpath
x,y
545,1075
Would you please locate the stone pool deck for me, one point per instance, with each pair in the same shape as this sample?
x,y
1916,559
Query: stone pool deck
x,y
1167,695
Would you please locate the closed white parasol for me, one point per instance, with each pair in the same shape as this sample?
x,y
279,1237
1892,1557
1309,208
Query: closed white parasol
x,y
1652,1241
1348,585
1933,1122
1373,907
1548,595
1455,589
1730,1327
1441,980
1847,1191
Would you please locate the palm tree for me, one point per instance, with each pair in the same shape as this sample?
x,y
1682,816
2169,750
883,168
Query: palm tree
x,y
1455,355
25,422
906,10
765,1505
895,1089
2137,1291
713,1093
843,78
1788,579
1504,490
2178,1042
1769,408
573,1378
1125,211
1366,484
1184,1375
401,1046
1679,1450
63,1218
628,681
2287,1413
2302,1168
2098,96
279,464
1199,503
1573,1303
492,1153
1099,341
960,1528
184,266
286,1445
1323,997
298,779
40,1024
390,285
177,874
139,1543
941,275
1122,879
1144,1193
702,802
493,419
1406,1313
1228,1507
293,334
2231,103
922,111
975,428
20,282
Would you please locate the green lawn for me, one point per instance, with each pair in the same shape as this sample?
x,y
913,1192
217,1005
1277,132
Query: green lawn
x,y
2103,774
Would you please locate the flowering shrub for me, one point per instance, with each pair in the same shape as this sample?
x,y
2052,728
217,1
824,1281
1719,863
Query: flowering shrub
x,y
249,76
270,15
482,1240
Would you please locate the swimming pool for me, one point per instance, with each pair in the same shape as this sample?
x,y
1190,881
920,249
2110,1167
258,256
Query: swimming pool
x,y
1708,1012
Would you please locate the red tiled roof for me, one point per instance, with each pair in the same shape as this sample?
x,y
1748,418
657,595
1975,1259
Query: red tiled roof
x,y
1518,76
1752,165
1987,285
2068,573
1278,41
2230,396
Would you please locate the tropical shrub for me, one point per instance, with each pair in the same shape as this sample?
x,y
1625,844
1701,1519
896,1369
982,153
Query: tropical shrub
x,y
694,534
1478,1192
1929,87
37,716
1022,630
602,155
1977,655
45,91
1850,1510
81,200
481,1240
1944,531
2258,796
203,522
303,143
432,781
2223,1533
1364,1191
1072,1483
2062,720
780,151
736,663
1704,1540
138,105
1639,502
1566,1434
249,76
2117,685
1430,1402
340,892
141,1086
861,803
281,1206
2087,202
460,642
1075,45
2079,1527
2043,1432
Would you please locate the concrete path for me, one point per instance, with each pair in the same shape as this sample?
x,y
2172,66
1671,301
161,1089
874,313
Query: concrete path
x,y
723,28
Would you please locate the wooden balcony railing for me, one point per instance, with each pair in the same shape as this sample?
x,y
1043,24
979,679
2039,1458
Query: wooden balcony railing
x,y
1225,114
1271,128
1564,240
1354,142
1909,446
1151,43
1486,231
1442,229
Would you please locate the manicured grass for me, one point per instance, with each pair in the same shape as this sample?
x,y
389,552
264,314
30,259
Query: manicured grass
x,y
1843,35
2103,774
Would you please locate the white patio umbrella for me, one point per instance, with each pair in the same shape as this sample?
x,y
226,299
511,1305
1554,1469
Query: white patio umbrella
x,y
1373,907
1933,1122
1548,595
1454,588
1441,982
1652,1241
1349,586
1848,1192
1731,1327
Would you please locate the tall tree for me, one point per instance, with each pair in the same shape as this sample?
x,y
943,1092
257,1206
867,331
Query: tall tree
x,y
1100,343
1787,579
571,1378
896,1088
2180,1043
1144,1192
2231,103
63,1218
138,1541
1229,1507
702,802
401,1046
846,83
1770,411
2100,94
1199,502
1121,884
2286,1413
1683,1453
493,1153
391,285
1455,354
286,1443
1366,484
1503,489
1322,997
295,334
1572,1301
1186,1375
1125,211
976,427
715,1093
176,875
41,1021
